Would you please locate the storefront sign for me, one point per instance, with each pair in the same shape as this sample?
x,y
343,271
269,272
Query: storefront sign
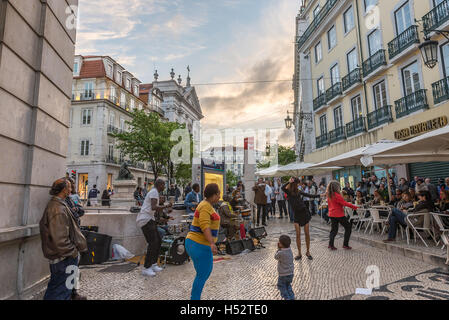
x,y
421,128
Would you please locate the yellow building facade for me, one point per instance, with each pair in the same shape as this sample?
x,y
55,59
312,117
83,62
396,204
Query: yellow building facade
x,y
365,79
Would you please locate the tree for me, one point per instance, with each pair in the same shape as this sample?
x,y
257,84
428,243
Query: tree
x,y
148,140
231,178
286,155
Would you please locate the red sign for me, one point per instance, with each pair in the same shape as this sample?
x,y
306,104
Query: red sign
x,y
249,143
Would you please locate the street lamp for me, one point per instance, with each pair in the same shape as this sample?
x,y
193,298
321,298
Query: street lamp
x,y
429,49
288,121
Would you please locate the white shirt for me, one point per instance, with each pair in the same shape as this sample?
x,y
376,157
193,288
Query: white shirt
x,y
146,212
268,192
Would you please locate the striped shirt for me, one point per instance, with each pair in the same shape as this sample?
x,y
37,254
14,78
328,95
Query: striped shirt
x,y
205,217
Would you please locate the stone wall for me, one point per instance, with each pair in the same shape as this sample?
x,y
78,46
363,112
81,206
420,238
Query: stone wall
x,y
36,61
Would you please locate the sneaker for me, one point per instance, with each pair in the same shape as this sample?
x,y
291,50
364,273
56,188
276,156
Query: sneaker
x,y
156,268
347,247
148,272
332,248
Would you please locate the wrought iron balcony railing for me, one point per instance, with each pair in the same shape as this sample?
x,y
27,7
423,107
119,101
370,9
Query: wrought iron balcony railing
x,y
403,41
436,17
374,62
322,141
411,103
333,91
440,90
379,117
355,127
337,135
319,102
355,76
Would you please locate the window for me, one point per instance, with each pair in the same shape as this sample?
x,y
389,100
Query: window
x,y
437,2
316,11
445,58
75,68
332,37
128,83
85,147
122,124
318,52
338,117
369,4
132,104
111,151
111,118
410,78
320,86
374,42
323,124
380,95
356,106
122,99
335,74
348,18
136,90
88,89
403,18
352,60
110,72
86,117
119,77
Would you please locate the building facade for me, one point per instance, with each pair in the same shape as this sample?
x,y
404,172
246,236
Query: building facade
x,y
103,96
37,47
362,76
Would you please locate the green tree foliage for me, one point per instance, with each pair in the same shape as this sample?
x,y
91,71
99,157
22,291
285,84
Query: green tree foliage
x,y
286,155
231,178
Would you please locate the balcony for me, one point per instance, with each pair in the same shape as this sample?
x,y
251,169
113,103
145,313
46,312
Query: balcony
x,y
355,127
403,41
374,62
379,117
316,22
440,90
322,141
355,76
86,96
319,102
113,130
112,160
333,92
337,135
411,103
436,17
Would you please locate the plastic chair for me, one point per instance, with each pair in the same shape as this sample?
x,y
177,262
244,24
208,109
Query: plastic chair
x,y
376,218
426,226
352,217
444,231
363,219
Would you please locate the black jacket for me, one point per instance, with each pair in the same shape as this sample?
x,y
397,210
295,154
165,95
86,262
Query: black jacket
x,y
296,200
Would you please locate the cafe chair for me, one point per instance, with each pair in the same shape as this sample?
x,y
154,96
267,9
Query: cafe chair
x,y
419,222
444,229
376,219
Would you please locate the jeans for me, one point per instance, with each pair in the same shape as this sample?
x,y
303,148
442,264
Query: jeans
x,y
203,262
397,216
269,209
282,208
154,241
261,208
334,230
323,213
290,212
163,230
273,206
285,287
60,286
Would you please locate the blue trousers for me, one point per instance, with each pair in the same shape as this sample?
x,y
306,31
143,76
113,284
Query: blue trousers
x,y
290,212
59,273
203,262
397,216
285,287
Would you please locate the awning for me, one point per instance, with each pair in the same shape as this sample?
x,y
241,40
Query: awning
x,y
268,172
297,169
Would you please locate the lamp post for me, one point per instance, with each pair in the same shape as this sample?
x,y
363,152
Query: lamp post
x,y
302,116
429,49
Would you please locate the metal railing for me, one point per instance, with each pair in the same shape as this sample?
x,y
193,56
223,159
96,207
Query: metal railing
x,y
436,17
440,90
316,22
411,103
337,135
114,130
333,91
355,76
374,62
355,127
403,41
322,141
379,117
319,102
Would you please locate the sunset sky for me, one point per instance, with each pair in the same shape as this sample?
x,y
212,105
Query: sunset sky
x,y
222,41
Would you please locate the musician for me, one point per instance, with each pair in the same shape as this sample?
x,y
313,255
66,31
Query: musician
x,y
192,200
235,201
162,218
228,219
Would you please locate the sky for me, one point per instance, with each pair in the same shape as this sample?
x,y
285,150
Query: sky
x,y
221,41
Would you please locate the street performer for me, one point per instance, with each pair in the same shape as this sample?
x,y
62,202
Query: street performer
x,y
228,219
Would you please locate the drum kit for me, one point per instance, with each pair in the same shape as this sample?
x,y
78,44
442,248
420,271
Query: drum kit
x,y
173,249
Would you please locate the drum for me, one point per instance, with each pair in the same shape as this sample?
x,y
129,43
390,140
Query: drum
x,y
173,250
246,212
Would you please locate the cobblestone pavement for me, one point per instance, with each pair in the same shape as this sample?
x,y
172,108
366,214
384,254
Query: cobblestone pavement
x,y
253,276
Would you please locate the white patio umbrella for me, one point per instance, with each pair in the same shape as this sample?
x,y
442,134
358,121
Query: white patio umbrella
x,y
429,147
297,169
268,172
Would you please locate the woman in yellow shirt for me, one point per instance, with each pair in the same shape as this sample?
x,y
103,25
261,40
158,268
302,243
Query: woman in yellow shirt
x,y
200,241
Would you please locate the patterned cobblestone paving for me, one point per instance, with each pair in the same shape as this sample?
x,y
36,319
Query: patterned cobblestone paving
x,y
253,276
